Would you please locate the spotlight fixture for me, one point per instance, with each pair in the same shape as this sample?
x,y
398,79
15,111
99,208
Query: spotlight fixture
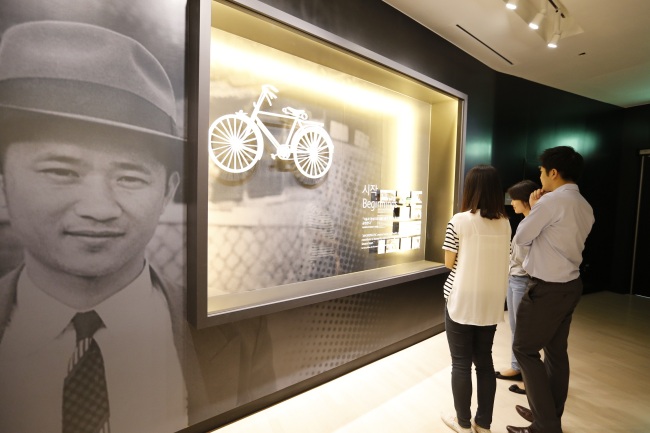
x,y
558,30
534,24
512,4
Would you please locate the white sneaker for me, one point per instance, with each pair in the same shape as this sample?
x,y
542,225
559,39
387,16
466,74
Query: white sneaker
x,y
478,429
452,423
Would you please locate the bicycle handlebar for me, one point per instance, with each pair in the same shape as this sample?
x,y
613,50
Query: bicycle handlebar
x,y
269,87
269,91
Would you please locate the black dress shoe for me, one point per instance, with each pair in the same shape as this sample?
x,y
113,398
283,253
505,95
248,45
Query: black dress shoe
x,y
528,429
525,413
515,388
516,377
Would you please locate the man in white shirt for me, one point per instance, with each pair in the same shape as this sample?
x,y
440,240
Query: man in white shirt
x,y
555,230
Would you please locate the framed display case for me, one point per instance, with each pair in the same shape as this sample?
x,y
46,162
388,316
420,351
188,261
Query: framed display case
x,y
318,169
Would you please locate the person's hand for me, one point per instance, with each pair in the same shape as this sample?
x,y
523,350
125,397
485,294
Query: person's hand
x,y
535,196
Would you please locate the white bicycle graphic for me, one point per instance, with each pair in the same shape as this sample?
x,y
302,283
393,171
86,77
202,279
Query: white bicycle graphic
x,y
236,141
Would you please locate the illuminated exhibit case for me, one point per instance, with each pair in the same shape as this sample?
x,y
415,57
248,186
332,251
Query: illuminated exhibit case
x,y
322,169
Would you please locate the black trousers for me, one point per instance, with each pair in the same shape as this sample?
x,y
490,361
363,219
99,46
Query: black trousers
x,y
470,344
543,322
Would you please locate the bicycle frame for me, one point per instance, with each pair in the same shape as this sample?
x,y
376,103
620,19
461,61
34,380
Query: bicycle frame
x,y
298,116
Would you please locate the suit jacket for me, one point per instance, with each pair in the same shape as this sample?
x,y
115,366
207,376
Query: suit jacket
x,y
223,366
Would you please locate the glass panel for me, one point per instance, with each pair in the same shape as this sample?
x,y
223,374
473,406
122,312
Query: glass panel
x,y
318,164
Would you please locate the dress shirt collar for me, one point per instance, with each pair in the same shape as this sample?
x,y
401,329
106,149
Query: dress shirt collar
x,y
567,187
54,317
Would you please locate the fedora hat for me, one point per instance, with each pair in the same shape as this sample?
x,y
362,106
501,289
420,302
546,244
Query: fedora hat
x,y
71,72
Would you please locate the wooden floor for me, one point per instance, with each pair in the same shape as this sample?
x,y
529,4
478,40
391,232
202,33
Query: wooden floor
x,y
609,348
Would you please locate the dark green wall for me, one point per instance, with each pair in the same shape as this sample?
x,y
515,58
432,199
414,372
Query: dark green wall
x,y
529,118
635,136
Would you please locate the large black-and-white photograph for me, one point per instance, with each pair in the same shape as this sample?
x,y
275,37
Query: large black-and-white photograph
x,y
93,335
91,222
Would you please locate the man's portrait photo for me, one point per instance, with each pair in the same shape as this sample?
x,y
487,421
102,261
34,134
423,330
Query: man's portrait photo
x,y
93,330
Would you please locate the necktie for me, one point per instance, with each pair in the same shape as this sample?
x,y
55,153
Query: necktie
x,y
85,395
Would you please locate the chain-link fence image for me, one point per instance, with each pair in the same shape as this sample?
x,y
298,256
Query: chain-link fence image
x,y
166,250
293,233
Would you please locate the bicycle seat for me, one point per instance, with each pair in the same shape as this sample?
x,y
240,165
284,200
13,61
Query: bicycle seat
x,y
301,114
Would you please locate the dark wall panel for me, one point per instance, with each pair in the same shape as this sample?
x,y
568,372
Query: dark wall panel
x,y
304,347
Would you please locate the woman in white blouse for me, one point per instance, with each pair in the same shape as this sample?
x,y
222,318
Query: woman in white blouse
x,y
477,246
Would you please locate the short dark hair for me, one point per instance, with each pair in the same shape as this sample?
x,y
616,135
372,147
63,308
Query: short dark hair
x,y
482,191
522,190
565,160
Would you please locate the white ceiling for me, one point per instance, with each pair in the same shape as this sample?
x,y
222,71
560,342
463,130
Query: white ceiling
x,y
603,53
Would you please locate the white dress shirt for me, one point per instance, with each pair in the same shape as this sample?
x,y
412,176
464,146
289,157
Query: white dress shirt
x,y
556,229
518,254
145,381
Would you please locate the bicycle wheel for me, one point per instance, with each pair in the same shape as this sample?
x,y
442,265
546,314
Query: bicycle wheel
x,y
235,143
312,151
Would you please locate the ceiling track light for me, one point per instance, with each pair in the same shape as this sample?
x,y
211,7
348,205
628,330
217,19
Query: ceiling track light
x,y
558,30
557,9
534,24
512,4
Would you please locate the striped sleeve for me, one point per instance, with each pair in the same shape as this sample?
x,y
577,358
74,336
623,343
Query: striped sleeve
x,y
451,243
449,282
451,239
